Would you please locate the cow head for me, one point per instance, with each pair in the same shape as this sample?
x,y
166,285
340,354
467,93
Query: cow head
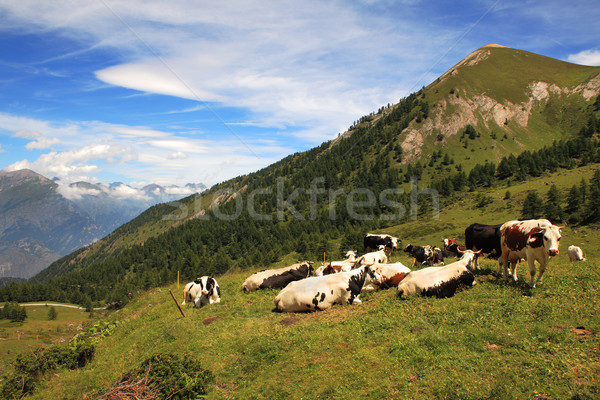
x,y
472,258
350,253
381,247
547,237
408,248
372,276
394,241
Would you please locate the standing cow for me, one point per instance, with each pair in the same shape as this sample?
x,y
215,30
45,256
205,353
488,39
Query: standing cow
x,y
575,253
534,239
204,290
485,238
372,241
322,292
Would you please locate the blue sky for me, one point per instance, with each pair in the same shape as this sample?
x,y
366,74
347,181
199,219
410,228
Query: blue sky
x,y
202,91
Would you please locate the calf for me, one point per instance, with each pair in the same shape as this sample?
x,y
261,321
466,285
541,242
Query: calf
x,y
204,290
534,240
321,292
391,275
440,281
277,278
420,254
575,254
378,256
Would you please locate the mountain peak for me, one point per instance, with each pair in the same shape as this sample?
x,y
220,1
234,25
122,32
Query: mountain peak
x,y
493,45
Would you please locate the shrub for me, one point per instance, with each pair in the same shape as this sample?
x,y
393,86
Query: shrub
x,y
173,376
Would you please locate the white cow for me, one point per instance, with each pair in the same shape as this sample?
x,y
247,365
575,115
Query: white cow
x,y
375,257
321,292
575,253
534,239
440,281
204,290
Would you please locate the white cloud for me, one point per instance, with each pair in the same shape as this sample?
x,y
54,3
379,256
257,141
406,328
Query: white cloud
x,y
39,140
586,57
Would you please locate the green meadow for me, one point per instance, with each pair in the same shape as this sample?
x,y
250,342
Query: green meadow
x,y
495,340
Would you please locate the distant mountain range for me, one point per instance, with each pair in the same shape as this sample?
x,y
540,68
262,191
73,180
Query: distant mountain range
x,y
42,219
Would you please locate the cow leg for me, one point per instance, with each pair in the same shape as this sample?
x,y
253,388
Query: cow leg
x,y
513,270
531,263
542,270
503,267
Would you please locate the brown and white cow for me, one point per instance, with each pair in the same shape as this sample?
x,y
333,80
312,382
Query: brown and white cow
x,y
277,278
534,239
391,275
321,292
375,257
338,266
575,253
440,281
204,290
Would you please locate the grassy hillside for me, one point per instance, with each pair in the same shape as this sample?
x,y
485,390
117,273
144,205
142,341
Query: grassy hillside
x,y
495,340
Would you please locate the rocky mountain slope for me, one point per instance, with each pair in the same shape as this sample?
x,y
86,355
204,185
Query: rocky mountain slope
x,y
40,220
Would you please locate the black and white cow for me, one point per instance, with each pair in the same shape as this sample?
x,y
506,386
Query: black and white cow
x,y
204,290
322,292
372,241
419,253
277,278
440,282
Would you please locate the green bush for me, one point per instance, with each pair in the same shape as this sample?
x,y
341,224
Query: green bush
x,y
174,376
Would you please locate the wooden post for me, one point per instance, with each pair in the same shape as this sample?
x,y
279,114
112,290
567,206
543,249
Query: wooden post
x,y
176,303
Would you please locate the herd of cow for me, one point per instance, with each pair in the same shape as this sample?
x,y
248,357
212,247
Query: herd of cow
x,y
341,282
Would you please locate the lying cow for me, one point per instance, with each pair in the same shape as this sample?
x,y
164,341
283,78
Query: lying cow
x,y
375,257
420,254
277,278
322,292
391,275
372,241
453,250
338,266
575,253
204,290
440,282
534,239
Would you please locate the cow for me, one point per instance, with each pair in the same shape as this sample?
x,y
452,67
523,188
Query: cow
x,y
534,239
277,278
448,242
420,254
204,290
321,292
575,253
338,266
484,237
440,282
391,275
437,257
372,241
453,250
378,256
